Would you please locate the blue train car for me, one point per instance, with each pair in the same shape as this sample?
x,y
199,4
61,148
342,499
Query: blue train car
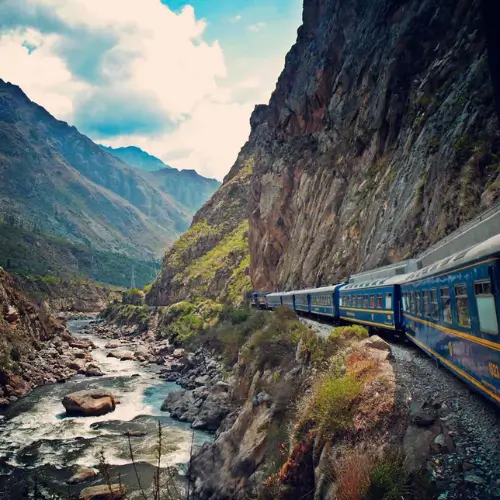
x,y
324,301
259,300
451,311
288,300
375,304
302,300
274,300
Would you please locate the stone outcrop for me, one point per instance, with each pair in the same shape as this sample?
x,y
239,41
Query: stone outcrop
x,y
103,492
35,348
89,403
380,139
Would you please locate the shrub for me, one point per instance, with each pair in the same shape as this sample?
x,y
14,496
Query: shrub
x,y
388,479
333,406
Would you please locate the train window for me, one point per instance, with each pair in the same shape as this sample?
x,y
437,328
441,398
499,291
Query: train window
x,y
462,301
380,303
348,301
446,304
434,312
341,301
404,301
418,303
388,300
486,310
360,301
365,301
372,301
426,303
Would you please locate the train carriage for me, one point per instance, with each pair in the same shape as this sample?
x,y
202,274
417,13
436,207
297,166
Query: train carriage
x,y
451,311
274,300
374,304
302,301
324,301
288,300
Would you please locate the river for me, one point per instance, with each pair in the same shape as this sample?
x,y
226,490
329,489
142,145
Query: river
x,y
39,444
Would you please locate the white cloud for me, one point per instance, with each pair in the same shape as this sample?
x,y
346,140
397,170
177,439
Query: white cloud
x,y
236,18
257,26
145,52
42,75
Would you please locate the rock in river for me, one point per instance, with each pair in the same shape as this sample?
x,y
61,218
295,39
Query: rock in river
x,y
82,475
89,403
104,492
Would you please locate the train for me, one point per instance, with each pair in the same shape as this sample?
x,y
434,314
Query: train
x,y
449,309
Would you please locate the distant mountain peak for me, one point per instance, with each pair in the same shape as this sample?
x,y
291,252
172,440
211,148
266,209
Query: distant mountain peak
x,y
137,158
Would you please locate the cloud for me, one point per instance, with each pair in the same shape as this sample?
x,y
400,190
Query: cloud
x,y
257,26
135,73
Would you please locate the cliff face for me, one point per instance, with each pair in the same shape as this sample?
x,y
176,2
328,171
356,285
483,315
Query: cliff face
x,y
211,260
381,138
35,348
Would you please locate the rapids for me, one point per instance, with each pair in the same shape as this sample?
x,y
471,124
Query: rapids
x,y
38,443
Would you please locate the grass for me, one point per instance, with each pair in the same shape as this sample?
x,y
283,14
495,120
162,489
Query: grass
x,y
26,253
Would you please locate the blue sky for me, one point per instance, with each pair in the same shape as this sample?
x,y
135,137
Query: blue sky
x,y
177,78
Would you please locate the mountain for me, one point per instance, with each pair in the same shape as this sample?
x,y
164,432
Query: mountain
x,y
59,181
187,187
137,158
380,138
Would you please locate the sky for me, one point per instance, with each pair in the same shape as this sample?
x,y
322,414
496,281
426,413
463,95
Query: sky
x,y
178,79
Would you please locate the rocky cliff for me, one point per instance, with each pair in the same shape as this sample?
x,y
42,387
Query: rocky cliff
x,y
380,138
211,259
35,348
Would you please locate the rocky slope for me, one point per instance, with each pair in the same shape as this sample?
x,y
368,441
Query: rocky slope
x,y
58,180
73,296
189,189
380,138
211,259
35,348
137,158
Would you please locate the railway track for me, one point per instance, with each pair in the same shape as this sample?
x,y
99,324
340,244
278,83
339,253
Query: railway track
x,y
471,469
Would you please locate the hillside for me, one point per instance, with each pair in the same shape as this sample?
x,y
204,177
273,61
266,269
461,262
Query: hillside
x,y
26,253
59,180
211,260
380,139
136,157
188,188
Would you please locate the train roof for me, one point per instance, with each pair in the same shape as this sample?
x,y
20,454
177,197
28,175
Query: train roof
x,y
393,280
274,294
322,289
488,247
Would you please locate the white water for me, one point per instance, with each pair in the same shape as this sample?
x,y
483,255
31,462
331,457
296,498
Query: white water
x,y
35,432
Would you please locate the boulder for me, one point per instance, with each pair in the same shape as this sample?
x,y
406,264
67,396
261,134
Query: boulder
x,y
81,344
82,475
89,403
201,380
121,355
4,402
93,372
11,315
77,365
103,492
215,408
113,344
377,343
178,403
135,433
179,353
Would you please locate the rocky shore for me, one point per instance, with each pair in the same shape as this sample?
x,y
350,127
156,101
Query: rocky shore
x,y
204,396
54,361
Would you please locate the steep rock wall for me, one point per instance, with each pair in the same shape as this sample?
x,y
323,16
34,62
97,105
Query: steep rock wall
x,y
380,139
211,260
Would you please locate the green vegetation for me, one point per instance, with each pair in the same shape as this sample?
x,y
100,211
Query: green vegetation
x,y
182,321
133,296
177,254
25,253
388,480
128,314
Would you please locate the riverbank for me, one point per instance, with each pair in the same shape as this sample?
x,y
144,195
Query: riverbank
x,y
37,439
